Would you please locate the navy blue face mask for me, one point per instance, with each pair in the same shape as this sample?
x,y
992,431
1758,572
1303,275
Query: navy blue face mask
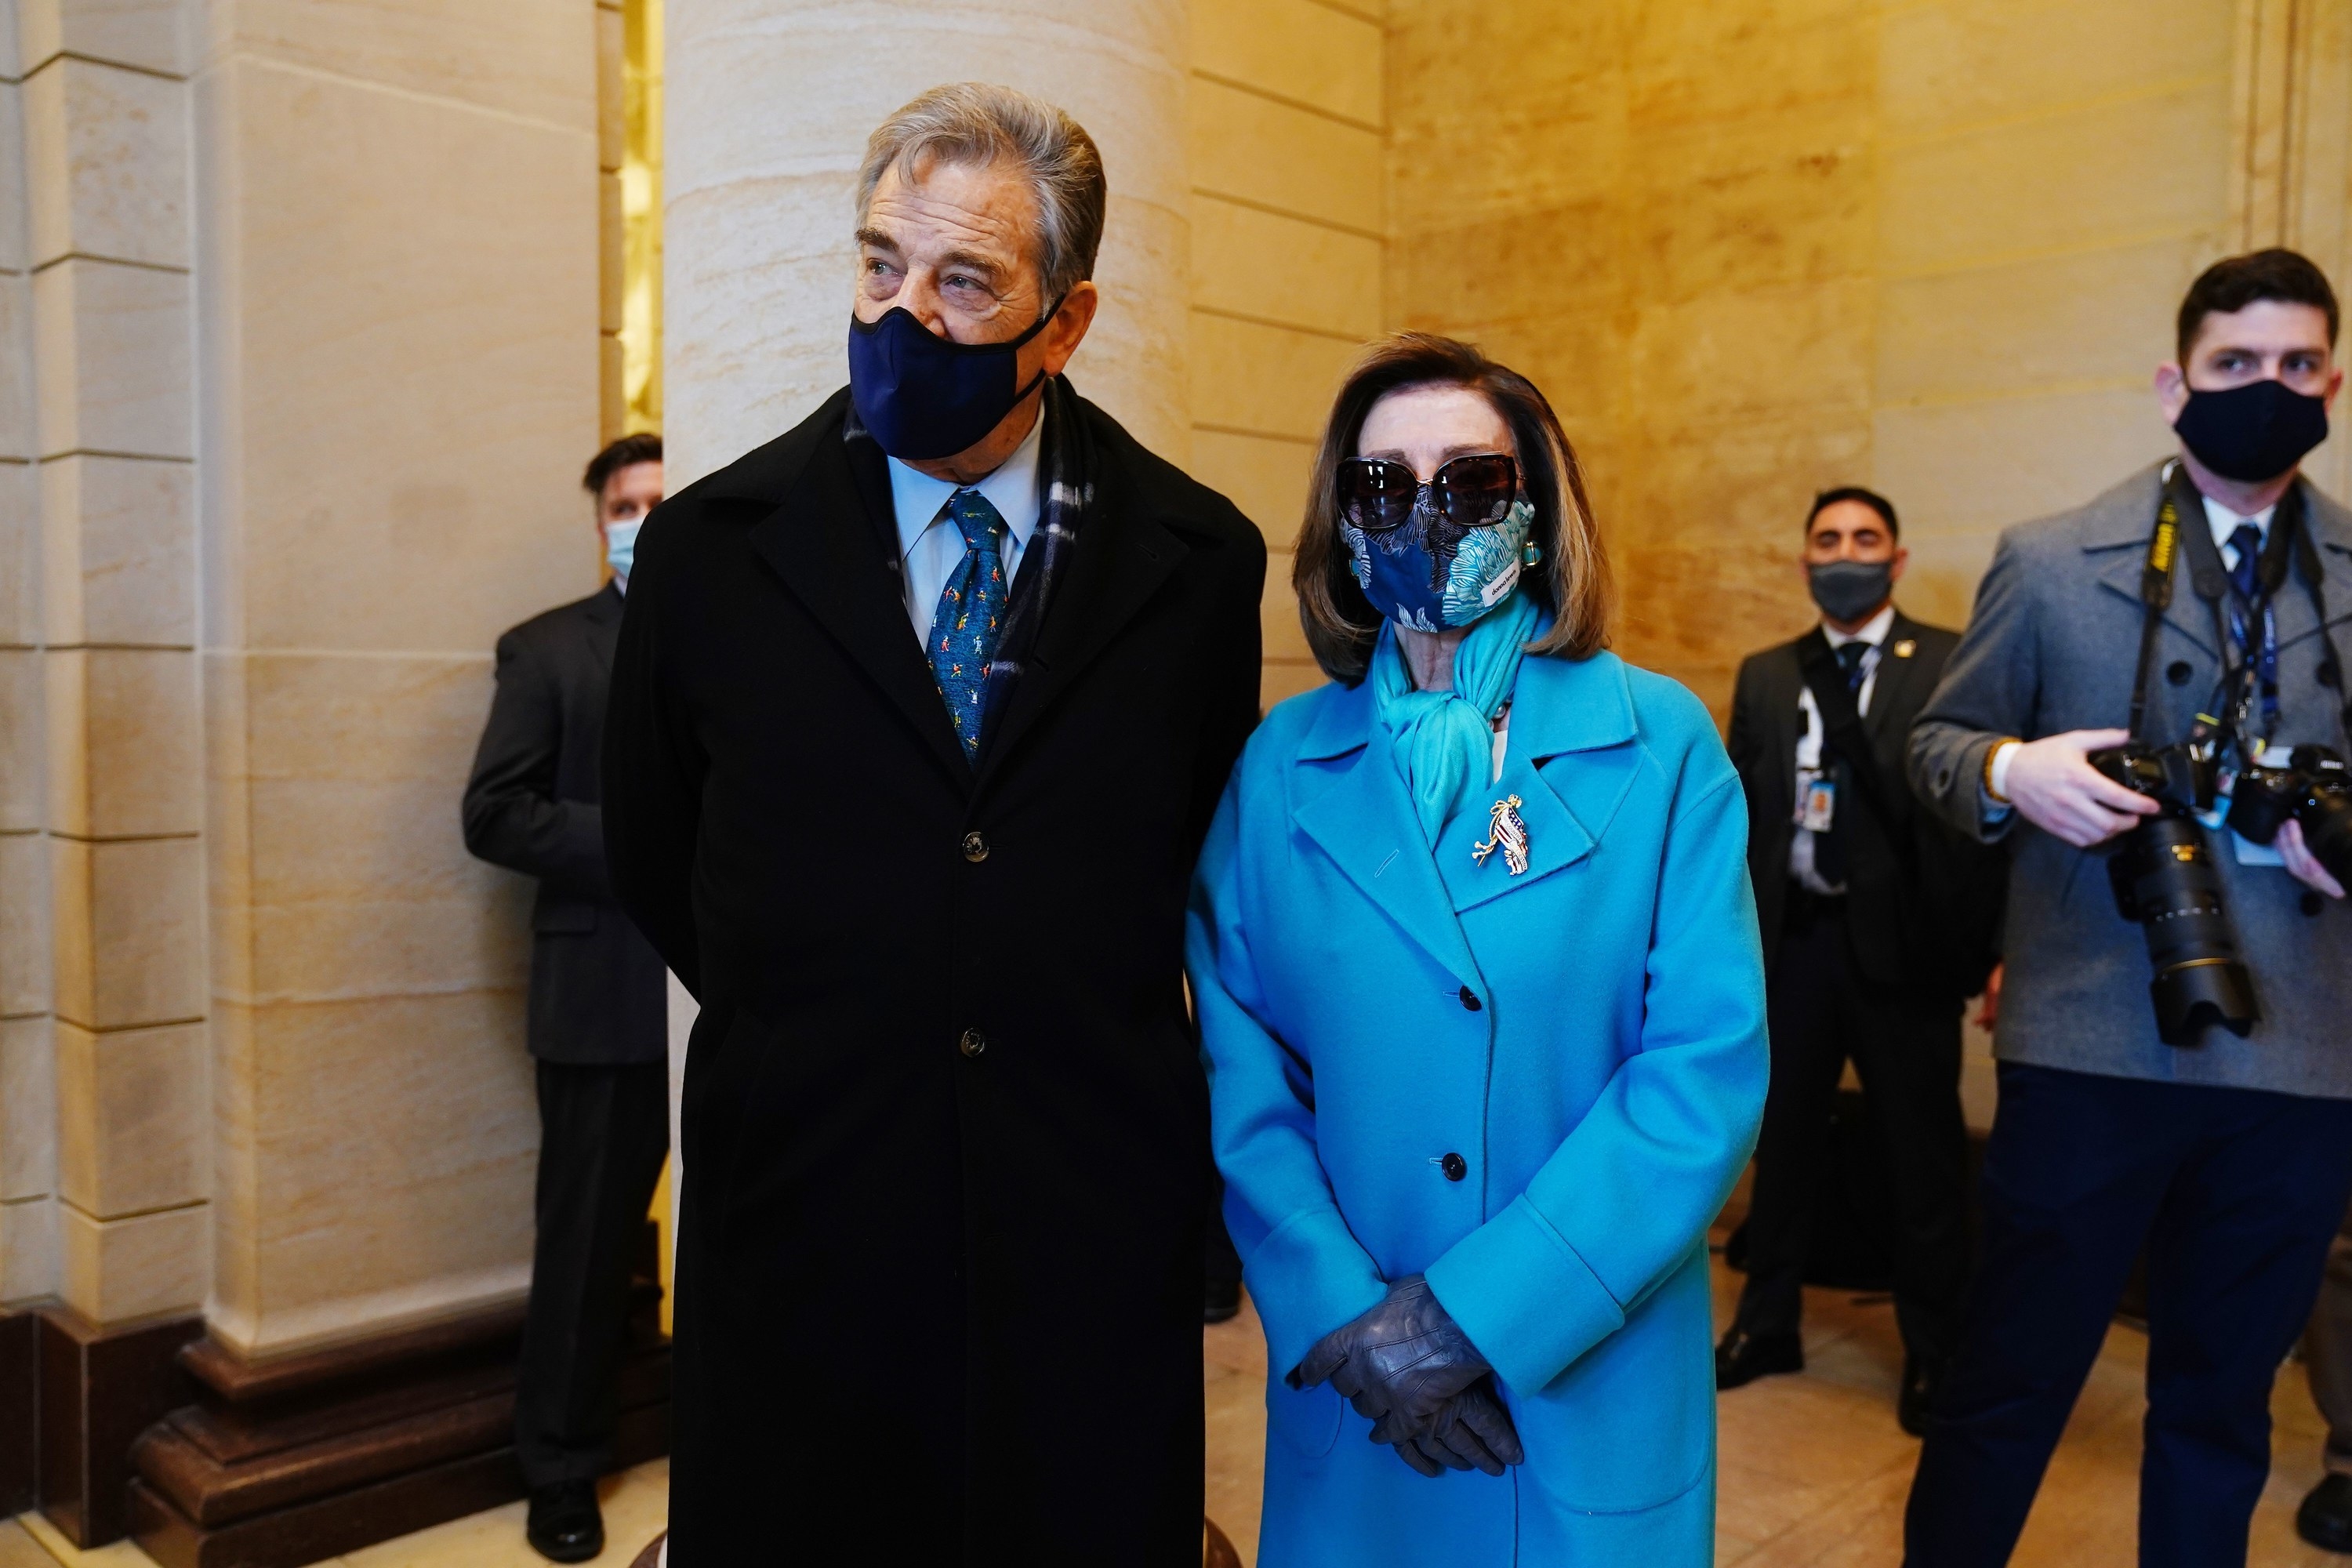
x,y
923,396
2253,432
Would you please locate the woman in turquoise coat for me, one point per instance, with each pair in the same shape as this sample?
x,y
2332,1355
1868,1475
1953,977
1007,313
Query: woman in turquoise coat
x,y
1476,965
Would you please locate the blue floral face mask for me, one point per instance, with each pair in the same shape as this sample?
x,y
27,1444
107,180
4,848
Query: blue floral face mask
x,y
1429,578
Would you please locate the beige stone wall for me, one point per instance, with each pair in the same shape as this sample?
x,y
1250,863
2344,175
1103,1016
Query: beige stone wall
x,y
1289,224
400,308
1753,250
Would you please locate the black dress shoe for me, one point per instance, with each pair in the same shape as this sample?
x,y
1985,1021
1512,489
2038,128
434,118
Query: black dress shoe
x,y
1743,1357
2325,1517
1223,1303
566,1525
1921,1379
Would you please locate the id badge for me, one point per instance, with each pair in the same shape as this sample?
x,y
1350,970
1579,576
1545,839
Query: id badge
x,y
1817,798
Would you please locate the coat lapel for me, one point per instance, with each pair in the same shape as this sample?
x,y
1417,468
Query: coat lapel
x,y
1898,672
604,625
1364,821
821,541
1121,557
1569,759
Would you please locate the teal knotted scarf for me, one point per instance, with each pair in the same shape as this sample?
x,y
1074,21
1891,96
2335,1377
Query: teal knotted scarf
x,y
1444,741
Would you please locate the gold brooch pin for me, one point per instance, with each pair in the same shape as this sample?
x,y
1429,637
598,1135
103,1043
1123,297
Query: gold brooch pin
x,y
1904,648
1505,830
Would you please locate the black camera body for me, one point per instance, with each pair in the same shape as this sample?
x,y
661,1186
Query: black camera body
x,y
2164,879
2315,789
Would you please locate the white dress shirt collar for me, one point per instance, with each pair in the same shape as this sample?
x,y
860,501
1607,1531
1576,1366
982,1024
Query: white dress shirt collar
x,y
1874,630
2225,522
918,499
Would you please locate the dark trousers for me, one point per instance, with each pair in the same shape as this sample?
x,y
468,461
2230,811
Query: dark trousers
x,y
2235,1193
2328,1348
604,1132
1906,1048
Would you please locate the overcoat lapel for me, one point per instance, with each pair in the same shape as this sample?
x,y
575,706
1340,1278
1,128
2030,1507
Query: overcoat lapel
x,y
1570,758
1898,673
1364,821
822,543
1121,557
604,625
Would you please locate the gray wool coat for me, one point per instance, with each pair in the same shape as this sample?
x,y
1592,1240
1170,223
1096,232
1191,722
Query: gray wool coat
x,y
2051,647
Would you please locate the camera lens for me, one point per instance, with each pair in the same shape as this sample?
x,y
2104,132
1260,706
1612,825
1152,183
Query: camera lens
x,y
2164,874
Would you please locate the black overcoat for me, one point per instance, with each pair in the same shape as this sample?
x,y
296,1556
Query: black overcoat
x,y
1926,901
945,1134
598,996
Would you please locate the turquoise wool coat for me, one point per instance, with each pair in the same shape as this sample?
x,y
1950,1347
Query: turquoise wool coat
x,y
1588,1036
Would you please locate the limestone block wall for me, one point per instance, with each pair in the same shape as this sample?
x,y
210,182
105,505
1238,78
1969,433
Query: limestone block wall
x,y
28,1207
1750,251
400,312
1289,223
116,1067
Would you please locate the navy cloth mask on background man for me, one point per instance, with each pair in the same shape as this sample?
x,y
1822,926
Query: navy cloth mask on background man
x,y
920,714
598,1025
2225,1153
1877,920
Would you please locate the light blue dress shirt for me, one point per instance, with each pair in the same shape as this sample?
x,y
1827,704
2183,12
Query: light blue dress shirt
x,y
930,546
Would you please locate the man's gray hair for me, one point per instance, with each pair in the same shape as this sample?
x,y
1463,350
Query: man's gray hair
x,y
980,123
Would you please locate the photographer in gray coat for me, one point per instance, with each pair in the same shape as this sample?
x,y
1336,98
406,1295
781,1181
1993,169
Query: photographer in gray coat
x,y
2175,1078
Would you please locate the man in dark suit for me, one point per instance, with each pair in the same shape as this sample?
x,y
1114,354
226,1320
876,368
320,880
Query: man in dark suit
x,y
920,715
598,1018
1876,925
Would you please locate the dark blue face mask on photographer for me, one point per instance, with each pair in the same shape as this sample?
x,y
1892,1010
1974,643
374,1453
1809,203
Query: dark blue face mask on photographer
x,y
2253,432
921,395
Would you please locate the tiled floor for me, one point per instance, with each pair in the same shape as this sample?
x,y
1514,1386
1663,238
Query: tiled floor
x,y
1814,1469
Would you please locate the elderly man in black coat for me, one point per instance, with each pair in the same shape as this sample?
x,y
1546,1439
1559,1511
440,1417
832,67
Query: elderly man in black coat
x,y
598,1016
920,714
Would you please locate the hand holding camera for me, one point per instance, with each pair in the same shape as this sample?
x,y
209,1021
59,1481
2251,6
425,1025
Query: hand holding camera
x,y
2053,785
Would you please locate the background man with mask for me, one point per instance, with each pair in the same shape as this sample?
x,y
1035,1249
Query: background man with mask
x,y
920,715
1876,924
598,1015
2229,1159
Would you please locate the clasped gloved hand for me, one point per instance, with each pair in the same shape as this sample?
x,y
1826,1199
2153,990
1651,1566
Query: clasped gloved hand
x,y
1407,1367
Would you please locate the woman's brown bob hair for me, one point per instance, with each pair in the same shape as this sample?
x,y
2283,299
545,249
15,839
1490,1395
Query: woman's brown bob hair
x,y
1572,581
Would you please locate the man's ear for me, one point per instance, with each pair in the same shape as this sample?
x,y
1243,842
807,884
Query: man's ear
x,y
2171,390
1061,340
1901,557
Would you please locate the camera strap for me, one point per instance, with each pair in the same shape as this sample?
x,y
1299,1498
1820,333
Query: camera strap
x,y
2290,539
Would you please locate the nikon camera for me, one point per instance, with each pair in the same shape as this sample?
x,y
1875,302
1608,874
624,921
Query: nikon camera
x,y
2315,789
2163,875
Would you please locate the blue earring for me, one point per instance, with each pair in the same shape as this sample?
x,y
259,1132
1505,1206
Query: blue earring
x,y
1532,554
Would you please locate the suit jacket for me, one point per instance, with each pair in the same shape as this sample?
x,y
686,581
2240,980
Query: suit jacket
x,y
1370,1004
598,995
1925,902
2051,648
945,1124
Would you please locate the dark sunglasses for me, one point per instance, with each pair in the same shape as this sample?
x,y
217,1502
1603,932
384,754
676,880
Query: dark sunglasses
x,y
1378,496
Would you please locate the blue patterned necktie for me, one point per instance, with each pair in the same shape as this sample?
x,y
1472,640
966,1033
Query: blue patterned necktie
x,y
965,626
1853,659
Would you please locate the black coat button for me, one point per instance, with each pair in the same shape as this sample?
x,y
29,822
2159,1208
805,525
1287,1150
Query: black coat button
x,y
2177,672
1470,999
2312,903
975,848
1454,1166
972,1043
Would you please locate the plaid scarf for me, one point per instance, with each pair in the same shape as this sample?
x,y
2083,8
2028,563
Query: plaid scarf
x,y
1065,493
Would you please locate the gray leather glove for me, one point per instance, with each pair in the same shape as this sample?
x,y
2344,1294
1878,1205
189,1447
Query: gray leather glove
x,y
1408,1367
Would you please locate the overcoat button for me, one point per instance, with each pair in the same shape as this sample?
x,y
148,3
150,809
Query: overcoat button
x,y
2177,672
1470,999
975,848
2313,903
972,1043
1454,1166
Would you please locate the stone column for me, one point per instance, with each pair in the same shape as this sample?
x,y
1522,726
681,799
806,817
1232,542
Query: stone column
x,y
768,104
